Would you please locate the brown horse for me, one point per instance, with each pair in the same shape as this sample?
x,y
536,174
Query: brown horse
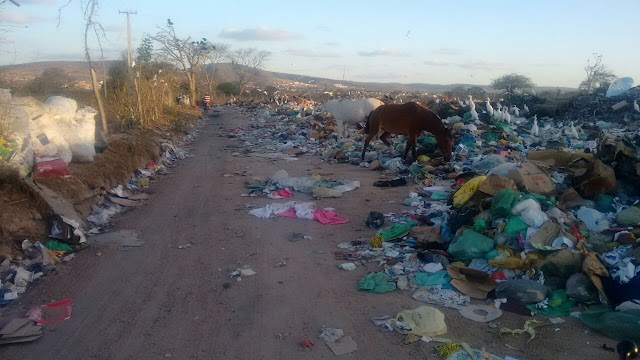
x,y
407,119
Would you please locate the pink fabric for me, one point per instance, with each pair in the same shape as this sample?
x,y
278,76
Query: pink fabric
x,y
291,212
328,217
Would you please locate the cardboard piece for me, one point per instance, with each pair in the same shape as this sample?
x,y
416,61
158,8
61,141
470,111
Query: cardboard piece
x,y
342,346
494,183
545,235
594,269
473,283
560,159
597,179
619,105
570,199
426,234
531,178
19,330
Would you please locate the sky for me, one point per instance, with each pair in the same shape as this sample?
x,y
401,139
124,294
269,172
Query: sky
x,y
437,42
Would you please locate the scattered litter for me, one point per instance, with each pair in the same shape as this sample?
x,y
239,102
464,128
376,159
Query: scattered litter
x,y
51,312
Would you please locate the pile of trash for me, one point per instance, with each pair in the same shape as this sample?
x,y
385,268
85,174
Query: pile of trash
x,y
37,259
67,236
542,221
45,137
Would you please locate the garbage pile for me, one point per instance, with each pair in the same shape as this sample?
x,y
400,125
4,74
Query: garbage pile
x,y
532,213
67,236
45,137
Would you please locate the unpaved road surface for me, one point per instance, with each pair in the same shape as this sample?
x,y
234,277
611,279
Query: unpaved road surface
x,y
157,301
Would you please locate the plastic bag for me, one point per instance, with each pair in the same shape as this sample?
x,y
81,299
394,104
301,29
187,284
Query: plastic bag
x,y
436,278
395,231
467,190
523,290
377,283
489,163
515,225
470,245
530,212
593,219
617,325
503,169
422,321
502,202
620,86
581,289
559,304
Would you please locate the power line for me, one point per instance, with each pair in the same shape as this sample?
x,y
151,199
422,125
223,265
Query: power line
x,y
129,51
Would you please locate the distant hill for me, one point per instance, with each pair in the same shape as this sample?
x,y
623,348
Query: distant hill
x,y
79,71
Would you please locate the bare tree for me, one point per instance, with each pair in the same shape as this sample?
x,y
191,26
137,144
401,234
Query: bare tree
x,y
247,63
216,56
186,53
598,75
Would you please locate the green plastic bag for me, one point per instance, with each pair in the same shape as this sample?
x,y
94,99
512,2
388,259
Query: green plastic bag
x,y
618,325
377,283
545,201
515,225
470,245
395,231
502,202
57,246
437,278
559,305
480,225
604,203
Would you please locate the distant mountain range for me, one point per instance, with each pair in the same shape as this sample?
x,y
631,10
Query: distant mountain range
x,y
79,71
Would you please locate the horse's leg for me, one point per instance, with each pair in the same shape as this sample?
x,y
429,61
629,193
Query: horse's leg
x,y
367,140
384,137
412,140
339,128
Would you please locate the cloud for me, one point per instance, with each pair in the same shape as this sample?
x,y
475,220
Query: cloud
x,y
481,65
382,52
311,53
447,51
17,18
437,63
258,34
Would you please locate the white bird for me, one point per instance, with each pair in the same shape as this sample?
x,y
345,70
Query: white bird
x,y
516,111
461,103
535,129
526,109
498,105
635,106
474,114
489,107
507,116
574,132
471,103
498,115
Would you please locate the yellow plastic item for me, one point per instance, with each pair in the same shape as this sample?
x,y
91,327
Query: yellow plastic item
x,y
423,321
423,159
376,241
467,190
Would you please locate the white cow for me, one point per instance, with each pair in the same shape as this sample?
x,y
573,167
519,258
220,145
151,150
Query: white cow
x,y
350,112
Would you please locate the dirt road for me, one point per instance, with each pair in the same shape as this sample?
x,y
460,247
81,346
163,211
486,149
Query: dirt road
x,y
158,301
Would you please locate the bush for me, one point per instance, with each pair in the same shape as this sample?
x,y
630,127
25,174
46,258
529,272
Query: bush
x,y
512,82
229,88
52,81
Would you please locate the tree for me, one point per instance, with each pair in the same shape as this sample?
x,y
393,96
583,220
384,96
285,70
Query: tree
x,y
512,82
185,52
247,63
228,88
598,76
219,53
145,50
52,80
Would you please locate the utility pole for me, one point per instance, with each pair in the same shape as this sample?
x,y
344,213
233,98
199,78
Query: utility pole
x,y
129,51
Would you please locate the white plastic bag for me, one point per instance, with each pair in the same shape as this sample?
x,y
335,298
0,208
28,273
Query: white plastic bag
x,y
530,212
